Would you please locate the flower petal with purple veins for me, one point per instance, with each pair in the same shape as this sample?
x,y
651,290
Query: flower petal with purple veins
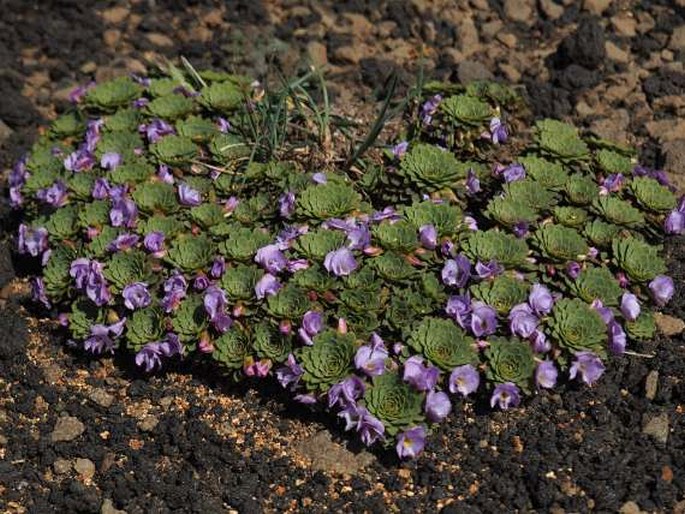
x,y
514,172
399,149
340,262
489,270
419,376
271,259
459,309
55,195
546,374
411,443
505,396
110,160
540,299
588,366
617,338
268,285
188,196
464,380
370,359
438,406
428,236
136,296
456,272
483,319
472,183
286,204
630,306
290,373
662,289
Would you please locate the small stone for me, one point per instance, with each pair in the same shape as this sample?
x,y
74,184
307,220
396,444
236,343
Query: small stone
x,y
510,72
108,508
669,130
507,39
61,466
214,18
101,397
85,468
350,54
615,53
5,131
317,53
669,325
677,41
111,37
468,37
651,384
327,455
656,426
552,10
115,14
468,71
519,10
360,25
88,67
679,508
166,401
624,24
158,39
630,507
596,6
148,423
3,440
67,428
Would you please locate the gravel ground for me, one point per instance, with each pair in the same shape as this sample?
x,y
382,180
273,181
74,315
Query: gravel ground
x,y
81,435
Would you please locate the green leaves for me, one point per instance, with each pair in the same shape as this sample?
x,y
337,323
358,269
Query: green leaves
x,y
191,253
399,236
328,361
115,93
428,168
651,195
394,402
489,245
443,343
290,302
189,319
232,348
576,326
144,326
174,150
510,361
242,243
222,96
597,283
560,244
559,141
317,243
239,282
502,293
126,268
330,200
618,212
269,343
466,110
170,107
638,259
157,197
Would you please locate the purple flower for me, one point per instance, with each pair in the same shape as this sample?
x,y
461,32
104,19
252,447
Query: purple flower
x,y
100,189
456,272
617,338
55,195
489,270
92,138
175,289
675,223
428,236
290,373
258,369
472,183
459,309
102,337
268,285
32,241
588,365
471,223
438,406
422,378
305,399
388,213
150,356
288,235
611,184
77,94
201,282
218,267
124,212
215,306
154,243
286,204
464,380
136,296
156,129
522,321
483,319
319,178
630,306
606,313
400,149
296,265
340,262
80,160
312,324
110,160
123,242
505,395
498,131
188,196
358,237
271,259
346,392
540,299
88,275
514,172
223,124
165,175
429,108
369,427
411,443
539,342
573,269
662,289
38,292
520,229
546,374
371,358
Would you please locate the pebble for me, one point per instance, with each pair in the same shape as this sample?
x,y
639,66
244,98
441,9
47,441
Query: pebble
x,y
5,131
519,10
468,37
148,423
101,397
552,10
158,39
616,53
317,53
85,468
596,6
656,426
115,14
111,37
669,325
108,508
468,71
624,24
61,466
630,507
651,384
67,428
3,440
677,41
327,455
507,39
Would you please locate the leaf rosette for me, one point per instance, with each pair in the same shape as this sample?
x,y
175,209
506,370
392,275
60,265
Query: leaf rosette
x,y
652,196
394,402
510,361
597,283
330,200
577,327
619,212
640,260
144,326
328,360
269,343
428,168
443,343
502,293
489,245
189,319
232,348
560,244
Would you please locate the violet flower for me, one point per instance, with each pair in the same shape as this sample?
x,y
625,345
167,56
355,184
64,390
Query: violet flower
x,y
498,131
33,241
136,296
154,243
438,406
188,196
290,373
259,368
38,293
100,189
123,242
429,108
340,262
611,184
305,399
471,223
400,149
540,300
371,358
218,268
456,272
411,443
271,259
150,356
77,94
165,175
55,195
312,324
346,392
102,337
428,236
675,222
124,212
215,303
422,378
522,321
223,124
110,160
520,229
514,172
369,427
539,342
286,204
605,313
388,213
464,380
319,178
156,130
459,309
483,319
505,396
472,183
358,237
296,265
88,276
573,269
588,365
268,285
489,270
175,289
630,306
662,289
546,374
617,338
80,160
